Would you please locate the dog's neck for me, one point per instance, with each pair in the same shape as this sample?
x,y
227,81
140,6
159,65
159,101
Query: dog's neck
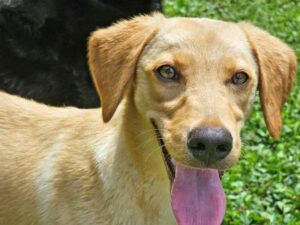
x,y
140,139
138,165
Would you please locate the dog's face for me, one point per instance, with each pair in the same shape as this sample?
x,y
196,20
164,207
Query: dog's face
x,y
198,87
195,79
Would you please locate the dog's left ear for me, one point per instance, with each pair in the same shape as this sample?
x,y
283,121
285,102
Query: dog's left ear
x,y
277,69
113,54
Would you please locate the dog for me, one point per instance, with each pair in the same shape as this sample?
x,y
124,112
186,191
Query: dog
x,y
43,46
175,94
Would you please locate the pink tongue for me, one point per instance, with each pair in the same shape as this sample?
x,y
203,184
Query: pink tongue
x,y
197,196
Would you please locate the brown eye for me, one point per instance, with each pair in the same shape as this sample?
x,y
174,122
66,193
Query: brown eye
x,y
167,73
239,78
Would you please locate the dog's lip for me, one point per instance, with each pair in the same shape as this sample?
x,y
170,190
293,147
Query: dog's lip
x,y
170,164
169,161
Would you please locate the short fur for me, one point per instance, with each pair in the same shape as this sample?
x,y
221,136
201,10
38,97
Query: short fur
x,y
64,166
43,46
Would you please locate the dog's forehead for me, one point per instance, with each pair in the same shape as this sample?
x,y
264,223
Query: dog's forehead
x,y
202,33
199,42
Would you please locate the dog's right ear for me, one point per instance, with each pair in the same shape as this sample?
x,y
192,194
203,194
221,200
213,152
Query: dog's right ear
x,y
113,54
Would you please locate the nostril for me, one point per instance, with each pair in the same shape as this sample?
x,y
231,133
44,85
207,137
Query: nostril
x,y
201,147
223,148
197,146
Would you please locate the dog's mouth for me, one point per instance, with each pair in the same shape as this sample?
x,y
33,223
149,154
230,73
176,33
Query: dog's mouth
x,y
168,160
197,196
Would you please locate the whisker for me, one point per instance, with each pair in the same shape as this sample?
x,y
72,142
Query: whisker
x,y
143,144
150,154
150,130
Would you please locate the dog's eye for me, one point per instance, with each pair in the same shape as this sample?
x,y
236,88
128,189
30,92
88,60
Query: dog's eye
x,y
167,73
239,78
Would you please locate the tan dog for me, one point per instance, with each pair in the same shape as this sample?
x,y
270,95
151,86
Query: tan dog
x,y
187,87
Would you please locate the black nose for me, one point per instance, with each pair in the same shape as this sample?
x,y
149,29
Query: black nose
x,y
209,144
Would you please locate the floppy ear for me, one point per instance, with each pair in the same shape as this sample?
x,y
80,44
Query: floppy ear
x,y
277,69
113,54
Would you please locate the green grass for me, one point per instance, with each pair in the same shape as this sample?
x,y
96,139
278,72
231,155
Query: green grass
x,y
264,187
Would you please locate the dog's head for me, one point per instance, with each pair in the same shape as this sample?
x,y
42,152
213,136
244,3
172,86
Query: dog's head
x,y
195,79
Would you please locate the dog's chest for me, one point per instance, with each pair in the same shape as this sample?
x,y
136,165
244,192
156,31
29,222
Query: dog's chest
x,y
134,201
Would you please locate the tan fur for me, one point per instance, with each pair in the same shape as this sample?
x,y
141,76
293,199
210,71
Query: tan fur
x,y
110,48
64,166
277,63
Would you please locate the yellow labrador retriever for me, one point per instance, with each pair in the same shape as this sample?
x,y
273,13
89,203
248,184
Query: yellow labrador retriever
x,y
175,94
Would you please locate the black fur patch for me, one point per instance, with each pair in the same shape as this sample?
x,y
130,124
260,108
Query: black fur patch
x,y
43,46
